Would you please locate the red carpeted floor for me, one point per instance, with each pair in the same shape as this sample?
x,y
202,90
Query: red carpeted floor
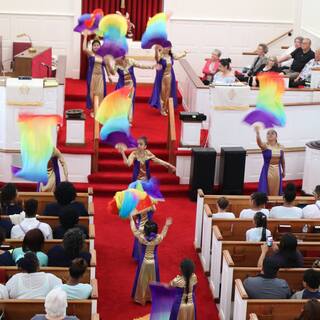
x,y
116,269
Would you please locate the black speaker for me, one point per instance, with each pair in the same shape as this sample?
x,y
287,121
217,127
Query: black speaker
x,y
203,164
231,170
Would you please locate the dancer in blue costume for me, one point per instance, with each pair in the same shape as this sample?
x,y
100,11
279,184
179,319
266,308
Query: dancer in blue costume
x,y
141,179
53,172
148,266
165,85
125,69
273,170
96,74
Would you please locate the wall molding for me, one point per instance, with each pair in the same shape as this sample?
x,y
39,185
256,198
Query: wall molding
x,y
34,13
310,31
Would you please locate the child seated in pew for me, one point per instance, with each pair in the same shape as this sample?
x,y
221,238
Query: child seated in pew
x,y
260,232
31,222
33,242
286,255
312,211
5,255
9,200
222,205
65,194
69,219
30,283
266,285
258,202
55,306
311,283
71,248
310,311
288,210
74,288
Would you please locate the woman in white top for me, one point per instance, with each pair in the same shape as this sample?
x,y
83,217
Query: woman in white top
x,y
225,76
288,210
258,201
222,205
260,232
30,283
312,211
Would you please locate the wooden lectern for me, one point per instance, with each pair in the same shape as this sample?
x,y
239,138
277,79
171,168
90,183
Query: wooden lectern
x,y
33,64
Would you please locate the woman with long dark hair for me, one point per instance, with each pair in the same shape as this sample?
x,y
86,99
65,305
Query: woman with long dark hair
x,y
184,305
311,310
9,200
165,82
260,232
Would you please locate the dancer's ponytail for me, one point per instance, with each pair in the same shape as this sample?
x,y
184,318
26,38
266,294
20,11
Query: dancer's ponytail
x,y
187,269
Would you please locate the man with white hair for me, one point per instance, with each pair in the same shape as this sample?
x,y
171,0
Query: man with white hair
x,y
56,306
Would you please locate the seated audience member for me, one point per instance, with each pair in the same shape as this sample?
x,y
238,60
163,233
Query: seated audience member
x,y
260,232
6,225
222,205
69,219
225,74
260,60
30,283
312,211
258,201
9,200
266,285
288,210
301,56
297,44
31,222
311,283
5,255
65,195
72,247
33,242
310,311
304,78
270,66
286,255
74,288
211,67
55,307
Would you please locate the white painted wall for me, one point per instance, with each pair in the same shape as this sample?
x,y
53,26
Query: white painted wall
x,y
49,23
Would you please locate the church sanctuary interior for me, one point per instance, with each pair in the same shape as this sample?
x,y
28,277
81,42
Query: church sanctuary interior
x,y
159,160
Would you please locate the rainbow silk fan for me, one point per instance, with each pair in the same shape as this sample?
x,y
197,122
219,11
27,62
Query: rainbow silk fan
x,y
113,28
36,145
156,31
89,21
113,115
269,109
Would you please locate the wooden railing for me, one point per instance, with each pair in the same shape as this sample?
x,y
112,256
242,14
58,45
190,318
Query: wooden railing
x,y
171,139
94,167
285,34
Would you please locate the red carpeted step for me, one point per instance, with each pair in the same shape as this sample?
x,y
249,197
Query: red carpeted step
x,y
116,165
125,177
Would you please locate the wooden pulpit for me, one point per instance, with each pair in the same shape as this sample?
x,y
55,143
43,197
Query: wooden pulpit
x,y
33,64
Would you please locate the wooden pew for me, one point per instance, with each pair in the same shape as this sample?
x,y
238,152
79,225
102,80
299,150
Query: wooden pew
x,y
237,203
235,230
48,244
246,254
230,272
47,197
62,273
53,221
263,308
26,309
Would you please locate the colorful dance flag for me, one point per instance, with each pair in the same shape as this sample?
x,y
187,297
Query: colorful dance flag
x,y
127,201
89,21
36,145
269,109
113,115
151,187
113,28
156,31
163,298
